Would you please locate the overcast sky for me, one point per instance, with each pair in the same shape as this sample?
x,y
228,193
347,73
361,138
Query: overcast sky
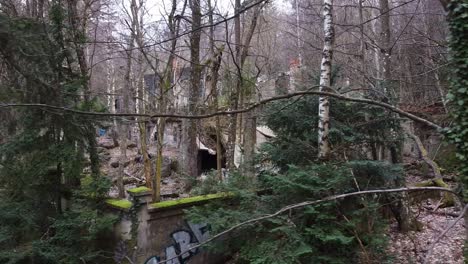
x,y
156,7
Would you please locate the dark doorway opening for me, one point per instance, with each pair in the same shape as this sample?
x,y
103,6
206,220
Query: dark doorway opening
x,y
206,161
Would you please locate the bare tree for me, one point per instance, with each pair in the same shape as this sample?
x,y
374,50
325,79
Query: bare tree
x,y
191,134
216,56
235,93
325,81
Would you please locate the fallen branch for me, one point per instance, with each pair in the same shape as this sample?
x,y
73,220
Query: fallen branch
x,y
425,156
311,91
432,211
307,203
438,181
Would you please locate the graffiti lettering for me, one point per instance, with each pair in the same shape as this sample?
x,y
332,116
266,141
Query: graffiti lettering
x,y
171,254
152,260
183,240
200,231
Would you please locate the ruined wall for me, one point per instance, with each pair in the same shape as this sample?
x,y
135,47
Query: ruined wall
x,y
167,234
162,234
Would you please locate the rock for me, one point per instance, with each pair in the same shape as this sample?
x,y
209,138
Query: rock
x,y
138,159
130,180
102,150
131,145
167,165
114,164
107,144
104,155
104,158
175,165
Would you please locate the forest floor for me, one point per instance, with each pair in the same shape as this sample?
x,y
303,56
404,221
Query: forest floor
x,y
172,184
413,247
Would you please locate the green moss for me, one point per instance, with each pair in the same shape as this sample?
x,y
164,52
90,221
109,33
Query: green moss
x,y
447,200
86,180
432,183
119,203
189,200
141,189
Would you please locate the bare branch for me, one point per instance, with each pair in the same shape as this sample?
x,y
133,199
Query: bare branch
x,y
238,111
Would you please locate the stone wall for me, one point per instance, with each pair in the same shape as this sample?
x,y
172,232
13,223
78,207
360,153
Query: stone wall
x,y
162,234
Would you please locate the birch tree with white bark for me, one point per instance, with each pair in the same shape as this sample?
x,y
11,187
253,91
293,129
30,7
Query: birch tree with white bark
x,y
325,81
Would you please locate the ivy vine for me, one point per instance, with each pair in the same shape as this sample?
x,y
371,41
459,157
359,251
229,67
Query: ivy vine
x,y
458,94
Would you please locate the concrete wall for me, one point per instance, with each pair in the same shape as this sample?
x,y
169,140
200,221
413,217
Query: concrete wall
x,y
162,235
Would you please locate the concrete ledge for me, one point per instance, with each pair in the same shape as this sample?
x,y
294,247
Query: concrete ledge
x,y
120,204
140,191
186,202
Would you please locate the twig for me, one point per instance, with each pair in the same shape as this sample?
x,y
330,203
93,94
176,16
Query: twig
x,y
129,260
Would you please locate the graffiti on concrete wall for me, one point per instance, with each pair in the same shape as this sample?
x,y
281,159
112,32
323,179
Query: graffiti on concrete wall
x,y
183,240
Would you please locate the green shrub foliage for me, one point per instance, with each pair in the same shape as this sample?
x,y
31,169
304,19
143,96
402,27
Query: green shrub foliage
x,y
342,231
458,94
353,126
46,214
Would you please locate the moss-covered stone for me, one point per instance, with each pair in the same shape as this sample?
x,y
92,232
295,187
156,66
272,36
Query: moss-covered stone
x,y
139,190
189,200
119,203
447,159
447,199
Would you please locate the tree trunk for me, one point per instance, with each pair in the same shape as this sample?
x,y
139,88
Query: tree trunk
x,y
432,63
400,206
123,131
250,139
165,85
79,31
362,52
144,153
234,100
216,64
325,81
191,148
126,94
137,25
385,46
250,119
141,109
